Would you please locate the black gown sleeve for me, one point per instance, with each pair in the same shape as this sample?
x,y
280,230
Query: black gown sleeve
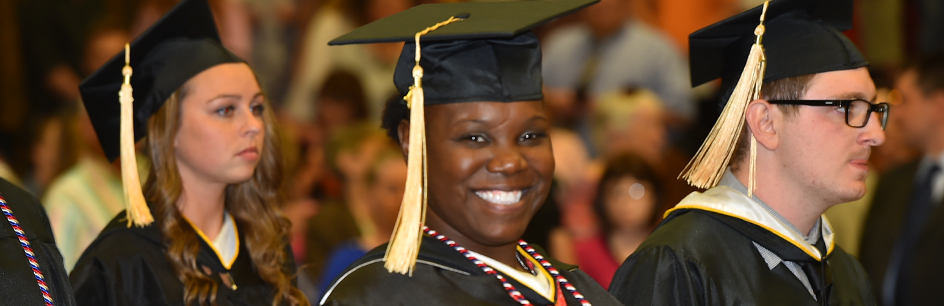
x,y
18,284
658,275
589,288
89,282
122,269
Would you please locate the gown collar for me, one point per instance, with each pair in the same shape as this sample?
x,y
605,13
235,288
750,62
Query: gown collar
x,y
729,202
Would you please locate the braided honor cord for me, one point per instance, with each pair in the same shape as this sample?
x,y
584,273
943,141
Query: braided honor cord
x,y
26,248
514,293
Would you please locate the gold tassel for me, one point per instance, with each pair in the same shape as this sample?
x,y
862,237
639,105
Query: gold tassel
x,y
707,167
407,235
138,213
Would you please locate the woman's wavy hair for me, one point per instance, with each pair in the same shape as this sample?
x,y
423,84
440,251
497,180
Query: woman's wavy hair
x,y
253,205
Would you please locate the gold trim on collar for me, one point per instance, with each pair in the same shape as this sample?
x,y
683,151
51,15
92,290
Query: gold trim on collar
x,y
537,265
735,206
226,263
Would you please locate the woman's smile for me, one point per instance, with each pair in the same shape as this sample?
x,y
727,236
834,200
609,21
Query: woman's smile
x,y
500,197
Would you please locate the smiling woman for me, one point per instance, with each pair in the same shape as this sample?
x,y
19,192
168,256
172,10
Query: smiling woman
x,y
474,130
216,237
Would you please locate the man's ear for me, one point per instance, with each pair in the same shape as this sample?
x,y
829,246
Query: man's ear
x,y
403,133
763,119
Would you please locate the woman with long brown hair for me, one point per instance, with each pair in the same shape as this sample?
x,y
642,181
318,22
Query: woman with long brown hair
x,y
217,237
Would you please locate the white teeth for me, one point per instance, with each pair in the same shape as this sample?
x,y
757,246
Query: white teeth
x,y
500,197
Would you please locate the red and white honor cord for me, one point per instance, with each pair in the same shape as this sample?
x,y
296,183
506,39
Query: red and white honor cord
x,y
514,293
26,248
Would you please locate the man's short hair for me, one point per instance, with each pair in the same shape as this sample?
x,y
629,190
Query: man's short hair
x,y
792,88
929,71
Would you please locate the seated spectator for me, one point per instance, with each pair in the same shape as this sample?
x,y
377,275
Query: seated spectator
x,y
348,157
634,121
85,197
610,50
51,150
340,103
627,208
383,186
89,194
373,64
630,121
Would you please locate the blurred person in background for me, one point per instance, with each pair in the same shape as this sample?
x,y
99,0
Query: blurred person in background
x,y
624,122
339,124
343,217
635,121
312,183
85,197
378,195
52,149
631,120
901,244
273,39
232,19
897,149
54,34
627,208
89,194
340,103
373,64
610,50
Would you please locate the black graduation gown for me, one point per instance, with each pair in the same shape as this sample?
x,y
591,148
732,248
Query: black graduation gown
x,y
17,284
127,266
697,257
444,277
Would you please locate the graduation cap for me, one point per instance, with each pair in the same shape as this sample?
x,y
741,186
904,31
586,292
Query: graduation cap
x,y
456,52
794,38
179,46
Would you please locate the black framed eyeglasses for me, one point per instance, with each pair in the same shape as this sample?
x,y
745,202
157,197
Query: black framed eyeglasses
x,y
857,110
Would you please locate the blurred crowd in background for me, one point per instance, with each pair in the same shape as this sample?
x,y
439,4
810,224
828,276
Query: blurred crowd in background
x,y
616,86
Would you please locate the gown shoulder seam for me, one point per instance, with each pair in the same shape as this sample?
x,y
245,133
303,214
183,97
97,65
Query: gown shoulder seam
x,y
380,260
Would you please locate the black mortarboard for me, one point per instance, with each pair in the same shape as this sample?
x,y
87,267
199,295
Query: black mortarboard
x,y
469,52
489,56
179,46
802,37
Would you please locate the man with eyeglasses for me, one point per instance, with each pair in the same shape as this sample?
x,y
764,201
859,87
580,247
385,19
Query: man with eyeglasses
x,y
903,240
757,236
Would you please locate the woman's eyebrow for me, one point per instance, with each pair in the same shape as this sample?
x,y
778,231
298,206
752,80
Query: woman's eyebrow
x,y
225,96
